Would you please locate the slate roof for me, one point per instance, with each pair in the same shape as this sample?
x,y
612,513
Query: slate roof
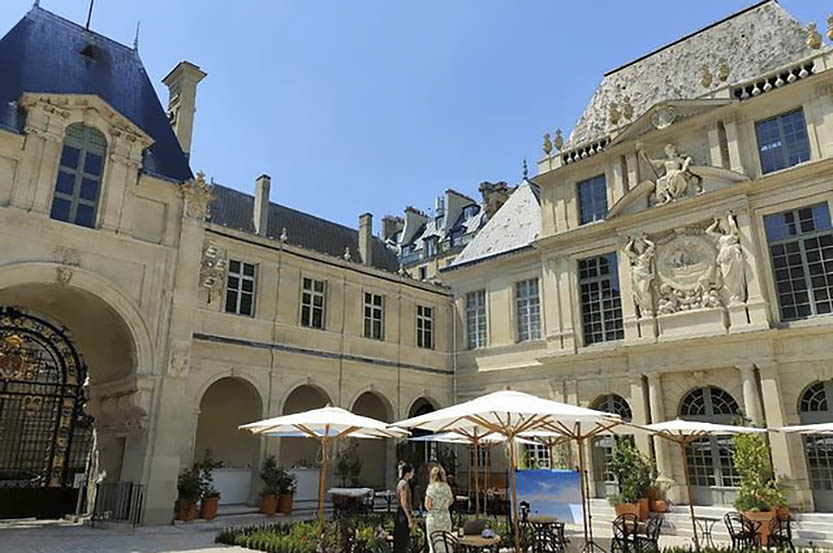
x,y
754,41
234,209
515,225
42,53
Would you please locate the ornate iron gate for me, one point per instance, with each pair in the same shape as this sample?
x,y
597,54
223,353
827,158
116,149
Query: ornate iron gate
x,y
45,437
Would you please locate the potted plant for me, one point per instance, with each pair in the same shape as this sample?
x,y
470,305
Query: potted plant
x,y
624,503
210,495
286,489
189,488
760,495
635,475
657,495
271,474
348,464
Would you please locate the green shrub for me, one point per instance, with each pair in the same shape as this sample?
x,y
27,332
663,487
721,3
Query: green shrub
x,y
759,491
634,473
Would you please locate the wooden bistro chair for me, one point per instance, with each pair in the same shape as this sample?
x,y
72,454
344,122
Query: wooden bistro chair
x,y
444,542
548,537
649,543
624,534
781,533
744,532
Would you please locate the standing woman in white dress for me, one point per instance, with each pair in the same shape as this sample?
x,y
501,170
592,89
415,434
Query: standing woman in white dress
x,y
438,498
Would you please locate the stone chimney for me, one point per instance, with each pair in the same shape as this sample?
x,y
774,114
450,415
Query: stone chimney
x,y
366,238
182,84
494,195
260,213
391,224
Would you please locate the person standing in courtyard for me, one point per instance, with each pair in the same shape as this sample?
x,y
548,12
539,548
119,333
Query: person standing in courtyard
x,y
438,498
404,514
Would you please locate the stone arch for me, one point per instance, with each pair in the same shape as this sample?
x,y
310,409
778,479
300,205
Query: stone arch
x,y
421,405
303,397
226,403
377,457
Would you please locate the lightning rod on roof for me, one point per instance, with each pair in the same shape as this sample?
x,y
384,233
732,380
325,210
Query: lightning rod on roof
x,y
525,170
136,38
89,14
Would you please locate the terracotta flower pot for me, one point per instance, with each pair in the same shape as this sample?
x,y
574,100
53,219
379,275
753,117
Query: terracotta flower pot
x,y
659,506
764,517
185,509
285,503
268,504
643,508
627,508
783,512
208,507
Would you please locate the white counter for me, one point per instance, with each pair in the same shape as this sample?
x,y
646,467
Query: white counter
x,y
307,480
234,485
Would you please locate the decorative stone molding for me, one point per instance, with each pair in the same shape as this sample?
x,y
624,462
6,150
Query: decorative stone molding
x,y
198,197
180,359
664,117
775,80
123,409
67,258
213,266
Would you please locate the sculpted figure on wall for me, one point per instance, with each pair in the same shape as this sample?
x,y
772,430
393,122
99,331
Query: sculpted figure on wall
x,y
673,183
641,254
729,256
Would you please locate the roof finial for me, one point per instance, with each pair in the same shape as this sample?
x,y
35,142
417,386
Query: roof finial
x,y
36,4
89,15
136,38
525,170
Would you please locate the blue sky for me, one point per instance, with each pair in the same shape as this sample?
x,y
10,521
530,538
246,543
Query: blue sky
x,y
372,105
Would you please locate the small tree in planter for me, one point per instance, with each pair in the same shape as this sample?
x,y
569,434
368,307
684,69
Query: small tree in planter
x,y
760,494
348,464
189,489
272,476
210,495
286,489
635,475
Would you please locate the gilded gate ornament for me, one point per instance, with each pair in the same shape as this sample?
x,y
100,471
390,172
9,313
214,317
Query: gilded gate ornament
x,y
12,358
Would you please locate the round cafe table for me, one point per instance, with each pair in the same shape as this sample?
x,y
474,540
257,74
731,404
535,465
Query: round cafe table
x,y
479,543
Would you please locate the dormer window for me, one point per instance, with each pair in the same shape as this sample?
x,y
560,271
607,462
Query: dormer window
x,y
78,186
783,141
592,200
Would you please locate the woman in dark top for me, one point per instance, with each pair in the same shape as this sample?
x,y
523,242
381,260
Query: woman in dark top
x,y
404,514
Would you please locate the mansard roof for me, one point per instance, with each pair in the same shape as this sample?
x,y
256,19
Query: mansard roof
x,y
515,226
756,40
49,54
234,209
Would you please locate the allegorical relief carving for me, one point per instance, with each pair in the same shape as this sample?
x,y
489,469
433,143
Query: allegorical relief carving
x,y
212,269
688,268
672,175
198,197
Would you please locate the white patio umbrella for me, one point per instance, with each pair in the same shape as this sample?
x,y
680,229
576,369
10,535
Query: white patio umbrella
x,y
683,432
486,440
818,428
509,413
327,425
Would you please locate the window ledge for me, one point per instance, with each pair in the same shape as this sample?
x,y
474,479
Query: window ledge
x,y
810,322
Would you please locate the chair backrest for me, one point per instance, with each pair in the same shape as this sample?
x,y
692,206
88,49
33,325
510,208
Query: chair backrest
x,y
443,542
654,528
624,526
781,526
738,525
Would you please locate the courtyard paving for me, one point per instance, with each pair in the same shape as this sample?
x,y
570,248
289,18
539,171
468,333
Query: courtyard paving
x,y
194,537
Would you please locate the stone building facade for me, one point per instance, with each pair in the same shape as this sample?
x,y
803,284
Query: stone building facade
x,y
674,254
168,308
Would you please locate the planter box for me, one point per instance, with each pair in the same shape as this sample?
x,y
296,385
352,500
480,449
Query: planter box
x,y
208,507
643,509
627,508
285,503
185,509
269,504
764,517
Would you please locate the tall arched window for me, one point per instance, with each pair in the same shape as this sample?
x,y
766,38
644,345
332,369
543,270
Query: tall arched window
x,y
78,186
710,404
606,483
813,408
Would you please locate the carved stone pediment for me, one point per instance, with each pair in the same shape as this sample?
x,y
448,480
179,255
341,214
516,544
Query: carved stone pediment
x,y
643,196
686,261
665,114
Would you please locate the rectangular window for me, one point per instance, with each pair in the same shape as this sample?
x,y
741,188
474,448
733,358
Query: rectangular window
x,y
782,141
528,310
476,319
483,458
374,316
801,248
313,298
601,303
240,288
592,200
538,456
425,327
77,188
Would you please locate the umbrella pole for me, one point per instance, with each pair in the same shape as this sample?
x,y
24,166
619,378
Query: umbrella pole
x,y
476,477
486,482
690,497
515,522
322,480
582,486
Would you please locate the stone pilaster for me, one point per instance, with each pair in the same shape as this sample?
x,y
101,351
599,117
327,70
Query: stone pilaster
x,y
751,396
662,453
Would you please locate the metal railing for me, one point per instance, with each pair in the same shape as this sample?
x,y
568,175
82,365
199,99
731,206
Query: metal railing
x,y
118,502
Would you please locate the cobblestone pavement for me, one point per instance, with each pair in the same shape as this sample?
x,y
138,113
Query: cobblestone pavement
x,y
193,537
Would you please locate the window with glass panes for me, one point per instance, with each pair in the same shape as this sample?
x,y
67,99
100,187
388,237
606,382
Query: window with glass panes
x,y
374,316
313,298
476,319
801,248
528,310
592,199
240,288
483,457
425,327
538,456
78,186
782,141
601,302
